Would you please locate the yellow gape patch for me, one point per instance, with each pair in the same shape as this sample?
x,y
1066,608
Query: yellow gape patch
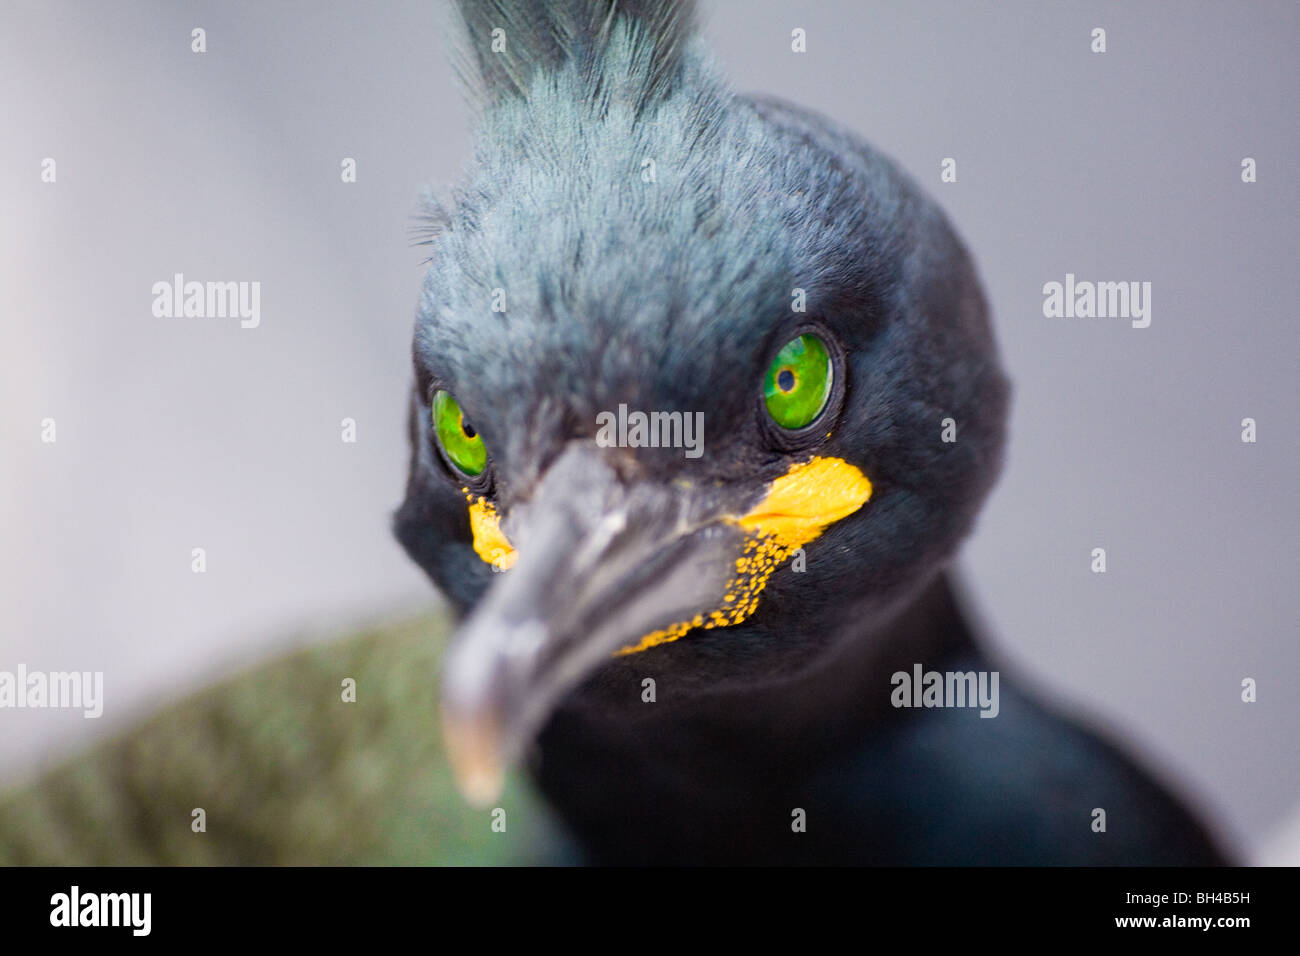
x,y
797,508
490,542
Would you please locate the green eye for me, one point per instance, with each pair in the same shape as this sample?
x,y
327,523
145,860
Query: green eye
x,y
460,443
798,382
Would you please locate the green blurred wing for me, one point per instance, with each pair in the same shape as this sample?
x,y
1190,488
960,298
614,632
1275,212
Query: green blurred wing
x,y
285,771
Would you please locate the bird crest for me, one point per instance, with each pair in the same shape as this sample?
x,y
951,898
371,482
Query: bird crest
x,y
509,46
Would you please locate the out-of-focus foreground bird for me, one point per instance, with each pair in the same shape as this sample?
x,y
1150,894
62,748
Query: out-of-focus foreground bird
x,y
690,643
284,770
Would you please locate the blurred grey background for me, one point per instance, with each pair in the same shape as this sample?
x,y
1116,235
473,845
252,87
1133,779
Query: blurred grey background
x,y
182,433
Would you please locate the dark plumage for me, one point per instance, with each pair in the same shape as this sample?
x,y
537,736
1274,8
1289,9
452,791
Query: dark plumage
x,y
674,294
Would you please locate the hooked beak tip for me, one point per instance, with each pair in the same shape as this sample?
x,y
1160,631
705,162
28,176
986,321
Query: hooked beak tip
x,y
474,747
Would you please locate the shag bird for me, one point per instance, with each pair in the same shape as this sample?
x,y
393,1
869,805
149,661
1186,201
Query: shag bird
x,y
697,639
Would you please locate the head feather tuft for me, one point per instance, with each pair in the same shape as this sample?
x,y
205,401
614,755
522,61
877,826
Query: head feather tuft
x,y
507,45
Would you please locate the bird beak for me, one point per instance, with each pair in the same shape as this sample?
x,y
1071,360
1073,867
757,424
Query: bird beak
x,y
606,567
600,564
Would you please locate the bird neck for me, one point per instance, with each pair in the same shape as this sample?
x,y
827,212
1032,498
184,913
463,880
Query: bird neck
x,y
706,757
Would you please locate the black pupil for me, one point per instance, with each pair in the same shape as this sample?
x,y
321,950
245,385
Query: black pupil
x,y
785,379
467,428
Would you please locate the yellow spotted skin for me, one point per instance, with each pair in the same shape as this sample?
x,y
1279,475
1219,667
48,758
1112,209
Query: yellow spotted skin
x,y
490,542
797,508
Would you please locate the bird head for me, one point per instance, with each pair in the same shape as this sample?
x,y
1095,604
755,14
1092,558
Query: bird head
x,y
700,380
